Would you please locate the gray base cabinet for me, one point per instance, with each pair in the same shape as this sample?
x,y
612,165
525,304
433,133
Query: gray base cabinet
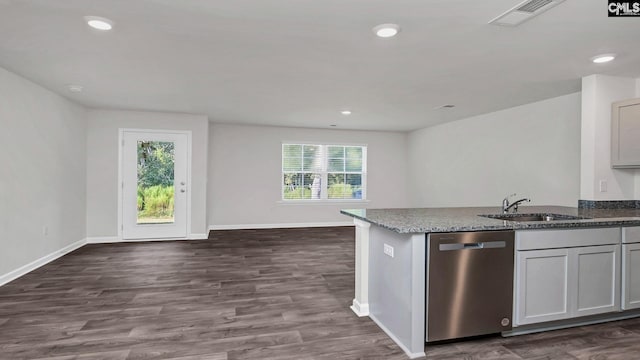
x,y
597,288
562,283
631,268
542,288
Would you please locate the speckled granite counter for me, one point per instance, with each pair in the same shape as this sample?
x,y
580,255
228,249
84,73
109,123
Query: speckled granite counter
x,y
431,220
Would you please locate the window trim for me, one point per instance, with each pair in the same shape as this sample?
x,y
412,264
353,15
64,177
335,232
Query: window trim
x,y
324,173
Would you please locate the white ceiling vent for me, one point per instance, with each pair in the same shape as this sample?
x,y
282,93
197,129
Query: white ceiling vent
x,y
524,11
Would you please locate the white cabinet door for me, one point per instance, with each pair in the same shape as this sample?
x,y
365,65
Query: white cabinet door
x,y
597,280
542,286
630,276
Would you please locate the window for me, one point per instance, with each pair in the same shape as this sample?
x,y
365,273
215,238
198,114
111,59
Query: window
x,y
323,172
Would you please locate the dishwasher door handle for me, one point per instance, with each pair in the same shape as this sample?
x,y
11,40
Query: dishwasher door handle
x,y
473,246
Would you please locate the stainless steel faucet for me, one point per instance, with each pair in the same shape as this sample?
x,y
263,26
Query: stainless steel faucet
x,y
506,206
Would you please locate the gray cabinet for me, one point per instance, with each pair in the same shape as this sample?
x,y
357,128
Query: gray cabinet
x,y
630,276
562,274
597,288
556,284
631,268
625,134
542,286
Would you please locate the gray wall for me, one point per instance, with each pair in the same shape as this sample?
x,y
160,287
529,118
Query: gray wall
x,y
532,150
245,170
102,164
42,152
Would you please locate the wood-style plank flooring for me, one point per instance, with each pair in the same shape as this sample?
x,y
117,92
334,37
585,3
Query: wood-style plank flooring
x,y
245,294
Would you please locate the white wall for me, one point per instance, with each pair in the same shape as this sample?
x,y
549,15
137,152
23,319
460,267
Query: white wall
x,y
245,174
598,92
102,164
637,176
532,150
42,152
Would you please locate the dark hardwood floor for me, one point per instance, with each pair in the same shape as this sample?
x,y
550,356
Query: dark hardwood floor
x,y
246,294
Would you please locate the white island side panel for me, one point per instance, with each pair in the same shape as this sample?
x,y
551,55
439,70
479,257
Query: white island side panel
x,y
396,287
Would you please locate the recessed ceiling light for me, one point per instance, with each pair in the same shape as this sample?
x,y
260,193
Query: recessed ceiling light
x,y
386,30
345,112
99,23
333,125
75,88
603,58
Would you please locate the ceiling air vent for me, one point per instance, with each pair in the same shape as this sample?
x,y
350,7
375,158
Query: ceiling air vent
x,y
534,5
524,11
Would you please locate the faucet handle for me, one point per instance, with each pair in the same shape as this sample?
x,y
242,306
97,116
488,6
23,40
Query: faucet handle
x,y
517,203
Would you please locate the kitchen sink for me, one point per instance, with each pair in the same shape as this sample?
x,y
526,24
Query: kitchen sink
x,y
534,217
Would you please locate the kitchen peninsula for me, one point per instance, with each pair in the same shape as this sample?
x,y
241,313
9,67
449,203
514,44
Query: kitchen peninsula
x,y
573,266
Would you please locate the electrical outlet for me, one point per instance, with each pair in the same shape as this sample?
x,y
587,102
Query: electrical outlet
x,y
603,185
45,230
388,250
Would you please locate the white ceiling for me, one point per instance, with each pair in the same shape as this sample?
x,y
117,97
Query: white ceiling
x,y
299,62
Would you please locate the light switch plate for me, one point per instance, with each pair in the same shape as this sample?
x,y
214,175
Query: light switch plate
x,y
603,185
388,250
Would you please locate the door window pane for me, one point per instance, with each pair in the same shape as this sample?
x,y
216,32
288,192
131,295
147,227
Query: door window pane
x,y
155,182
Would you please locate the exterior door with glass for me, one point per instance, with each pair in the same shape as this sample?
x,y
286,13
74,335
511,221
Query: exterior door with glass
x,y
155,178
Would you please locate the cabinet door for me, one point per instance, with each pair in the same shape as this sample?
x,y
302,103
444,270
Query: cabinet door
x,y
596,285
631,276
542,286
625,131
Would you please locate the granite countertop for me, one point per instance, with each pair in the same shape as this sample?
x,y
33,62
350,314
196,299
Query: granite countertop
x,y
432,220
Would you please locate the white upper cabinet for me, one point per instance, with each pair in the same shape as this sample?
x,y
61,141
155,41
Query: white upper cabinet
x,y
625,134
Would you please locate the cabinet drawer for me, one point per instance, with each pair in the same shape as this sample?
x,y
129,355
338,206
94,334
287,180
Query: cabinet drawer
x,y
631,234
552,239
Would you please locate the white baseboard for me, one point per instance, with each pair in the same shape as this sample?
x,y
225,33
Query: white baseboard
x,y
102,239
360,309
198,236
411,355
279,226
115,239
12,275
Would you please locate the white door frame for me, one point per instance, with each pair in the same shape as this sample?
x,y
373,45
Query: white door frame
x,y
121,132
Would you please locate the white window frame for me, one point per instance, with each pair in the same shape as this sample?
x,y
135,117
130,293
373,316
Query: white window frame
x,y
324,196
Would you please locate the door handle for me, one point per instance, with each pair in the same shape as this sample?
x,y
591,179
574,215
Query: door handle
x,y
471,246
460,246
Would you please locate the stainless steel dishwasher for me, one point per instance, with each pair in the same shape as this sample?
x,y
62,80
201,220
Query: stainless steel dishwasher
x,y
469,284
